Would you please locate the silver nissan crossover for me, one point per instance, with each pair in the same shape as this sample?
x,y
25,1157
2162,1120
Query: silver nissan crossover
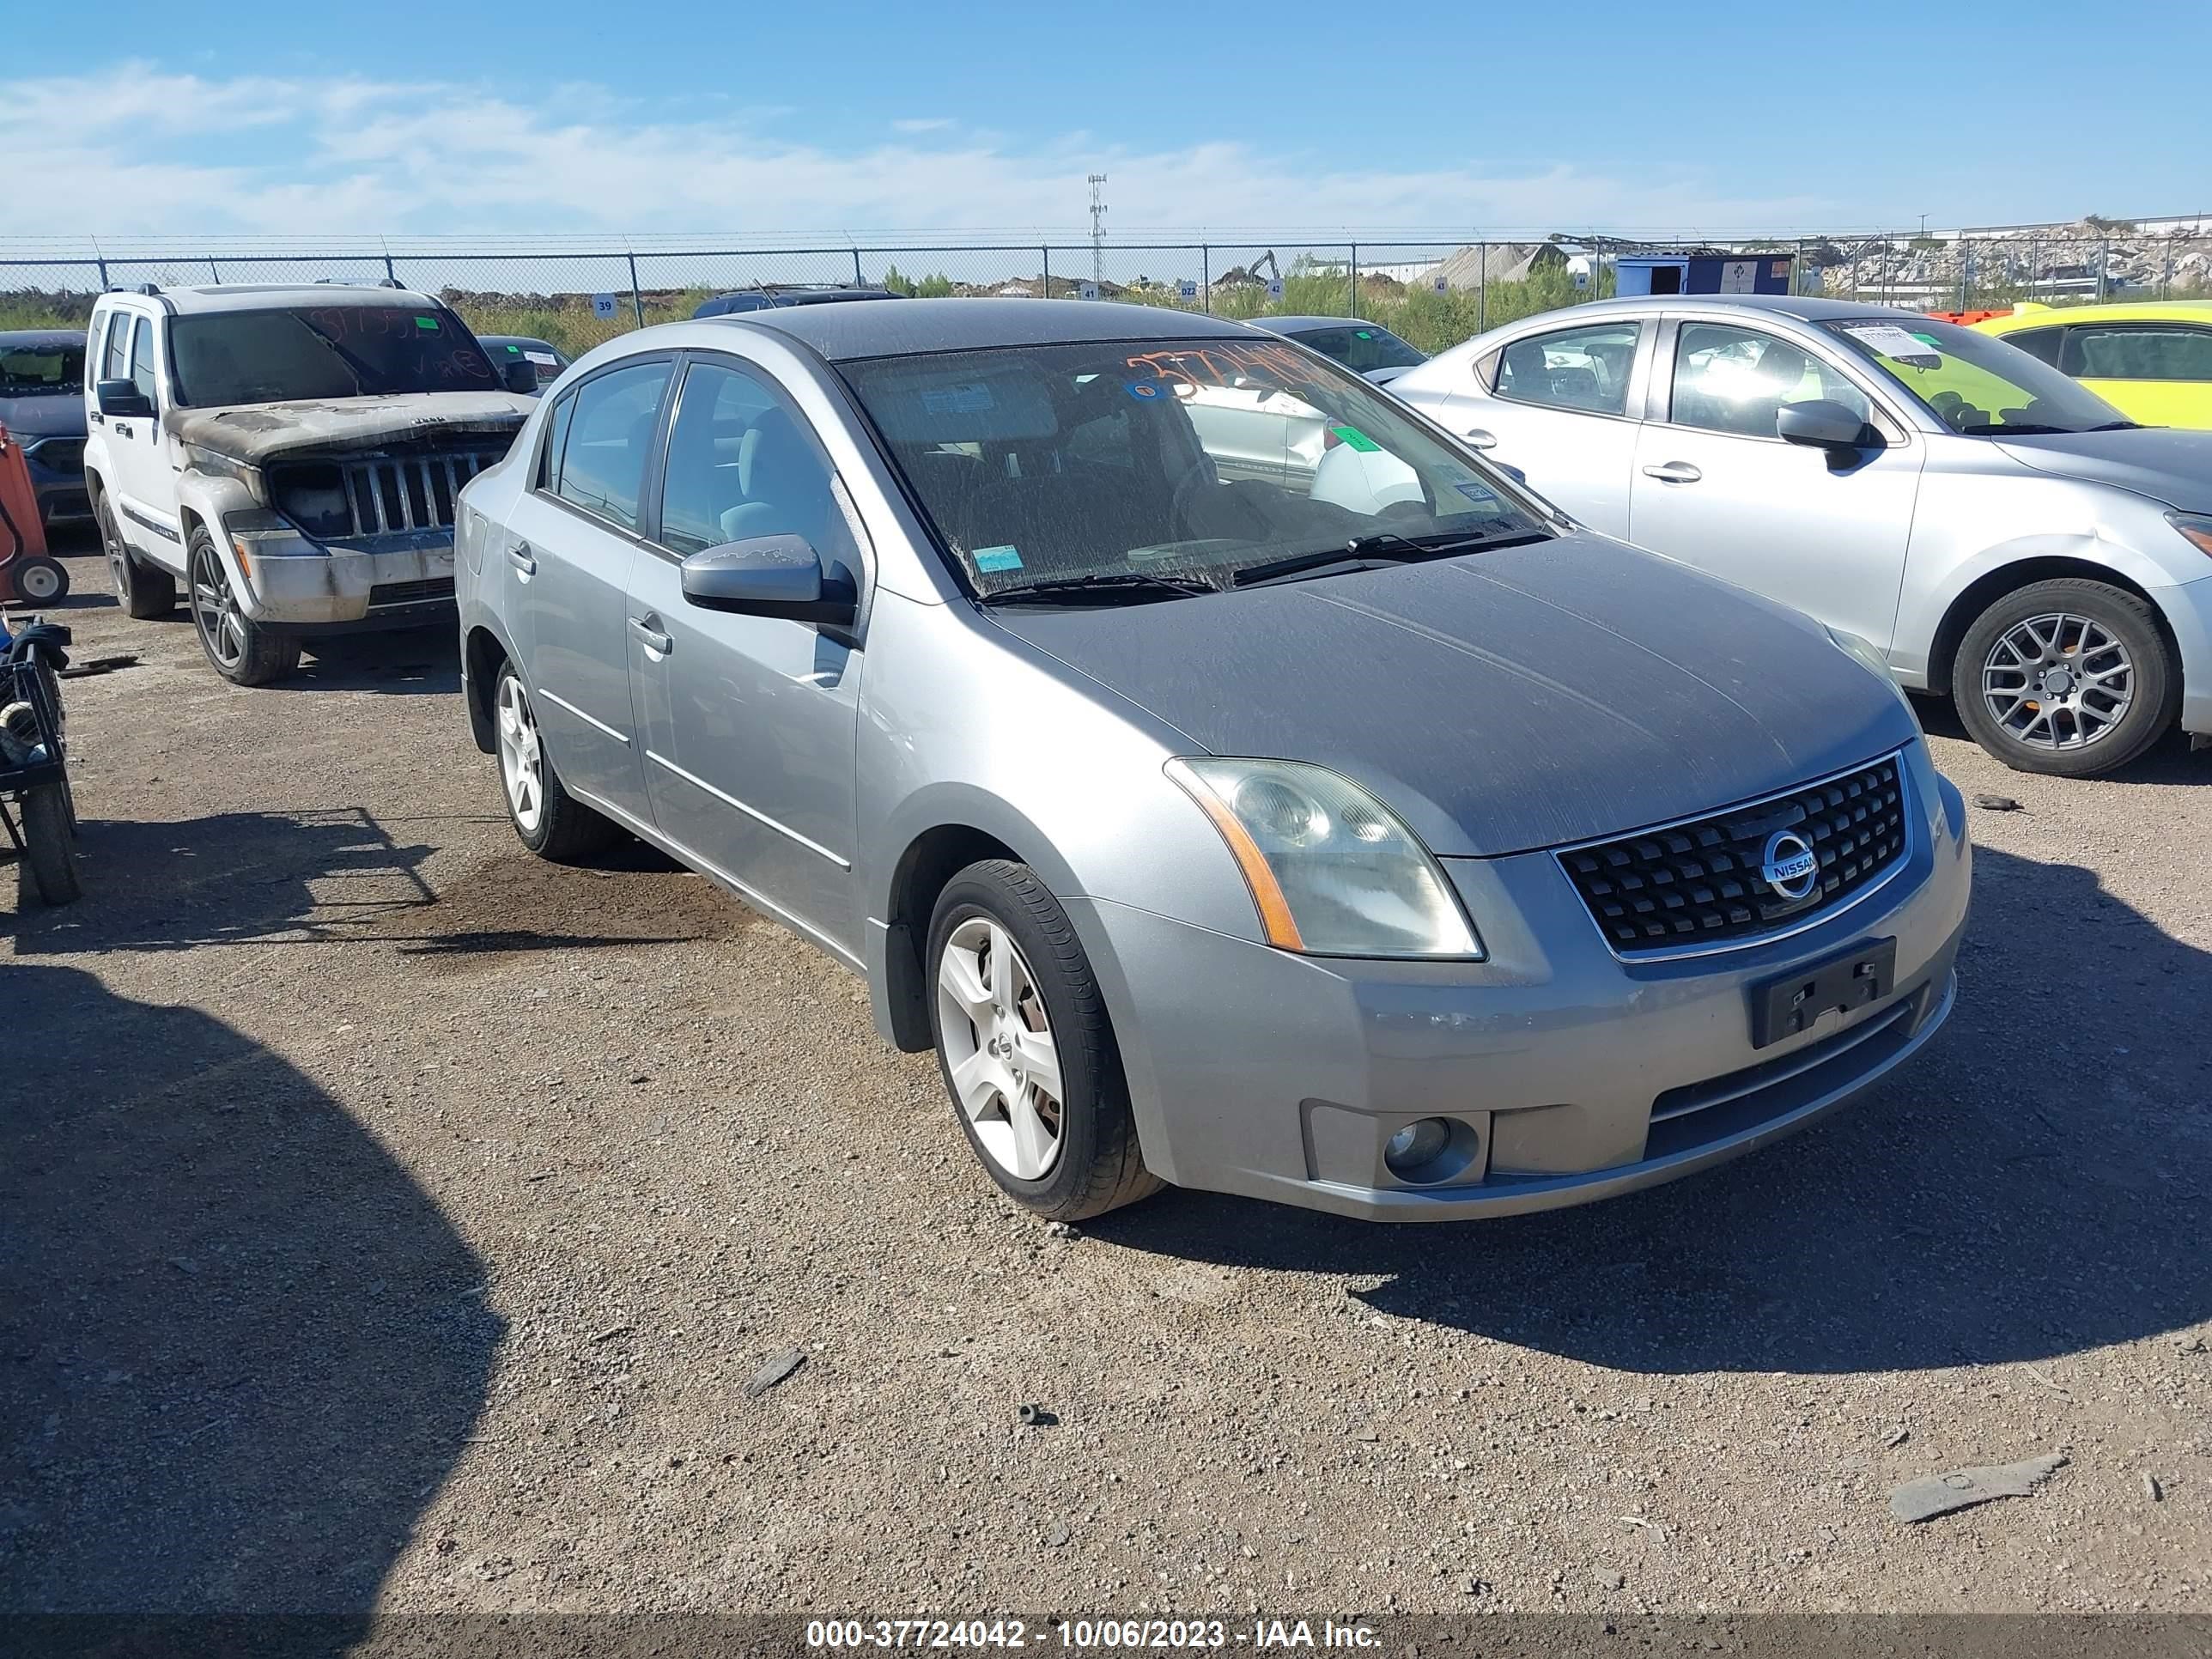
x,y
1236,819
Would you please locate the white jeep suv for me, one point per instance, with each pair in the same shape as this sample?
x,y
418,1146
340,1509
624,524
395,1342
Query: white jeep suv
x,y
291,454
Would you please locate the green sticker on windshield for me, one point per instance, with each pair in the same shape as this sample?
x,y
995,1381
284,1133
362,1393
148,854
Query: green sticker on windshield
x,y
1354,438
998,558
515,348
429,323
1364,334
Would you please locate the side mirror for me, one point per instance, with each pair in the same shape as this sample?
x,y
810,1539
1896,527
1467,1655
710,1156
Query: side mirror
x,y
122,400
1511,472
768,576
1820,423
520,375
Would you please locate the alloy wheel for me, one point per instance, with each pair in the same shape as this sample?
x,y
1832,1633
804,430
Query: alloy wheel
x,y
215,610
521,755
119,557
2058,681
999,1048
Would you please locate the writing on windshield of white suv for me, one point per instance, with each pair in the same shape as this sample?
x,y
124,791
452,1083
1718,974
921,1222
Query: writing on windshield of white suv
x,y
352,351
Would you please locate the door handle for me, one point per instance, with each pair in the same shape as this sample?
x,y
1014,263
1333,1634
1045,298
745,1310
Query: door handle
x,y
121,430
520,557
1478,439
651,637
1674,472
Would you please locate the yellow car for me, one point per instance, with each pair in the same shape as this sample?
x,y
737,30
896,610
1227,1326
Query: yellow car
x,y
2152,362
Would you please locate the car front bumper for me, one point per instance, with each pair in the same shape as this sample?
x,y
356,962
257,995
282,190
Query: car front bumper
x,y
294,585
1570,1074
2187,608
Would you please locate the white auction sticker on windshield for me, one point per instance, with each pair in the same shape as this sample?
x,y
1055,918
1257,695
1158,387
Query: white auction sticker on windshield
x,y
1891,341
966,398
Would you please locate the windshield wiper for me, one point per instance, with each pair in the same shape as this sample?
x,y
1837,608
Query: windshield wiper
x,y
2119,426
1131,584
1380,547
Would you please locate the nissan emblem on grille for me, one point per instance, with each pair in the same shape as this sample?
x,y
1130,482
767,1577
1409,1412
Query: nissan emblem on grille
x,y
1790,866
1746,872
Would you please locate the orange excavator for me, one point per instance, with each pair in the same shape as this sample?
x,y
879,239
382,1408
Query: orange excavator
x,y
28,574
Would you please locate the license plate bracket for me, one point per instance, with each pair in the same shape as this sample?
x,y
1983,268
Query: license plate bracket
x,y
1791,1003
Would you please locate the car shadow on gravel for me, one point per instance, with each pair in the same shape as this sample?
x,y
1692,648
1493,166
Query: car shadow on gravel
x,y
342,875
240,1348
2032,1185
418,662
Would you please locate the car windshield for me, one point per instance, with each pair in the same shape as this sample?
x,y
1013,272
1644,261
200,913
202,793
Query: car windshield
x,y
349,351
1140,469
1360,347
32,368
1975,383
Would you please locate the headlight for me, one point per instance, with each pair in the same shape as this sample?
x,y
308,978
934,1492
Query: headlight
x,y
1332,870
2195,527
1852,646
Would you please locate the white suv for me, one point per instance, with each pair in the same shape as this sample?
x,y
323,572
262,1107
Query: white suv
x,y
290,453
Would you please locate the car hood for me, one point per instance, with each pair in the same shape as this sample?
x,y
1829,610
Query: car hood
x,y
255,433
59,415
1500,701
2165,464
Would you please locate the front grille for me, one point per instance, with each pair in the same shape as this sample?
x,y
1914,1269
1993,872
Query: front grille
x,y
377,494
422,592
1701,882
62,455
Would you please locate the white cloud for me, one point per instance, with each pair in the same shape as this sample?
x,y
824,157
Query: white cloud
x,y
135,150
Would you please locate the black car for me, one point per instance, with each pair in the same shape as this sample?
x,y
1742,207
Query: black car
x,y
548,359
42,405
770,295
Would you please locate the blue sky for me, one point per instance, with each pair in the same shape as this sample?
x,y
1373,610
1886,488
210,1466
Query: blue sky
x,y
580,116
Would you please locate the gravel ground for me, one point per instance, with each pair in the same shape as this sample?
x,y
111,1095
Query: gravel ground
x,y
391,1218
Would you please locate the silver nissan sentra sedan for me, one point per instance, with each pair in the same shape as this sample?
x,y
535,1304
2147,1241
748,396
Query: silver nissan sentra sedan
x,y
1412,855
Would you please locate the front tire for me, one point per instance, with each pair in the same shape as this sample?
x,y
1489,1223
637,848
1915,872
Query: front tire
x,y
549,820
144,591
238,647
2070,678
1025,1047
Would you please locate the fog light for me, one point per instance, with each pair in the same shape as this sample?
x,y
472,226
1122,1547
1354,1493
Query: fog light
x,y
1420,1144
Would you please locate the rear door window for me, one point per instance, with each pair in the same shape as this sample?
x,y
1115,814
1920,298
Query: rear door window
x,y
610,424
2138,351
2040,342
1578,368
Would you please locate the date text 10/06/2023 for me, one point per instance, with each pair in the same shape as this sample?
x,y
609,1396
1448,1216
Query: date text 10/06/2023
x,y
1088,1634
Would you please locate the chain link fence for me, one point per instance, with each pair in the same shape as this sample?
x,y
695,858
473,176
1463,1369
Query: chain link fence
x,y
1433,292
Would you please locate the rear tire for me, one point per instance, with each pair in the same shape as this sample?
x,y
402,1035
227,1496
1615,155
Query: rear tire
x,y
1025,1049
238,647
143,591
50,843
549,820
2069,678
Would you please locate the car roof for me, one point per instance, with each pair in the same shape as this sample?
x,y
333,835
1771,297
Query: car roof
x,y
269,296
41,336
2118,310
841,332
1805,307
516,339
1303,325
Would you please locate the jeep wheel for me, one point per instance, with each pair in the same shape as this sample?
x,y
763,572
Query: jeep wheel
x,y
141,590
240,649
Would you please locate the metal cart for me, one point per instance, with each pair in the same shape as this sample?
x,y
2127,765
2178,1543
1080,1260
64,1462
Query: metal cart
x,y
35,804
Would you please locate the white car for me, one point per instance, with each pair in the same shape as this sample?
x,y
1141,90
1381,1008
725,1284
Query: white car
x,y
291,454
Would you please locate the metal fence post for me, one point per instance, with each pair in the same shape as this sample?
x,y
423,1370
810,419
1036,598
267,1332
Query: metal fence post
x,y
1205,275
1481,287
1355,279
1044,271
1965,264
214,276
103,274
2104,258
857,279
390,275
638,296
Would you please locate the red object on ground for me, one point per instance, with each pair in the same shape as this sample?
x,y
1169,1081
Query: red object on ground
x,y
23,534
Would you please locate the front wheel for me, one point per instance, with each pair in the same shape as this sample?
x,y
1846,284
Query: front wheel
x,y
1025,1049
238,647
2071,677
